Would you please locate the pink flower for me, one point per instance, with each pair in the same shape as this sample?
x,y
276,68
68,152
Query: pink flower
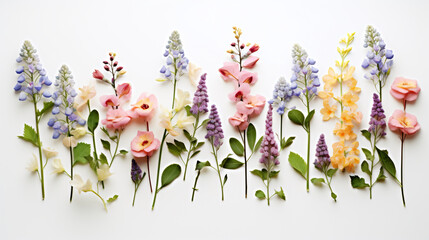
x,y
239,120
144,144
230,71
252,105
109,101
405,89
250,62
116,119
145,107
97,75
404,122
254,48
124,91
247,77
240,93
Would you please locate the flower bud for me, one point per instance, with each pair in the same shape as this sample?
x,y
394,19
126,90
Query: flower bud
x,y
105,62
119,69
106,67
233,44
254,48
115,63
242,46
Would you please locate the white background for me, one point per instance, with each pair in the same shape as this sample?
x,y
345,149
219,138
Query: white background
x,y
81,33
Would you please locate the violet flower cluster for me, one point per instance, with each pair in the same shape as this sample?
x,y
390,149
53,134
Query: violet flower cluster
x,y
32,76
323,159
214,128
201,98
282,94
269,148
377,123
176,60
65,117
136,172
378,59
304,78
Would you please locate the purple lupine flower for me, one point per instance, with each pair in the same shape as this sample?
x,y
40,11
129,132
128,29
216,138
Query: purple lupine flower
x,y
323,159
281,95
175,55
214,128
304,75
136,172
269,148
377,123
201,99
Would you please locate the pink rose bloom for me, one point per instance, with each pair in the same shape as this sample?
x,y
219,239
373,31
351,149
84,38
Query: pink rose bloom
x,y
109,101
124,91
405,89
250,61
252,105
144,144
230,71
247,77
404,122
239,121
116,119
240,93
97,75
145,107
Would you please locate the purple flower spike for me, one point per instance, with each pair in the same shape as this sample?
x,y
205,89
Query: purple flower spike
x,y
269,148
136,172
377,123
201,99
214,128
323,159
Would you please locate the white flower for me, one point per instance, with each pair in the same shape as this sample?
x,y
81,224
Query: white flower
x,y
86,93
193,72
33,165
166,114
183,120
57,166
49,152
181,100
78,132
80,185
103,172
69,142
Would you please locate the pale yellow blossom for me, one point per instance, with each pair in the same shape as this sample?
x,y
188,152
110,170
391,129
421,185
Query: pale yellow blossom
x,y
49,152
33,165
78,132
57,166
183,120
69,142
193,72
86,93
181,100
103,172
80,185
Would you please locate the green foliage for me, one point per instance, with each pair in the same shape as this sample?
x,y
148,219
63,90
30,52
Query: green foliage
x,y
334,196
308,119
106,144
365,167
358,182
331,172
381,175
368,154
201,165
298,163
296,117
112,199
173,149
93,119
281,194
30,135
123,152
81,152
318,181
236,146
103,159
169,174
263,174
286,143
251,136
258,144
180,145
386,162
366,134
47,106
230,163
260,194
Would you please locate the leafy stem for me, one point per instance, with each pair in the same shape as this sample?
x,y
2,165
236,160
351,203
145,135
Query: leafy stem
x,y
217,167
39,146
159,168
191,144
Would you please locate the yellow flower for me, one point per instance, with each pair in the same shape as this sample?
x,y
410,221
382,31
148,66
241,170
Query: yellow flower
x,y
193,72
349,100
69,142
331,78
328,111
351,83
183,120
80,185
86,93
346,117
169,127
338,158
344,131
325,95
49,152
349,74
103,172
33,165
181,100
354,148
350,162
78,132
57,166
166,114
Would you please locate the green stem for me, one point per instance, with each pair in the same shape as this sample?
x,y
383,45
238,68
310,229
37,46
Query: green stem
x,y
372,166
403,136
381,87
116,148
104,202
135,191
245,164
308,152
281,130
328,181
218,169
194,189
191,146
71,159
268,186
39,145
159,167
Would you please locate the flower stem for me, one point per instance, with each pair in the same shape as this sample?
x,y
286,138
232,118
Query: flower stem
x,y
245,164
147,159
116,148
268,185
159,167
194,189
403,136
39,145
71,159
218,170
104,202
281,130
191,146
135,191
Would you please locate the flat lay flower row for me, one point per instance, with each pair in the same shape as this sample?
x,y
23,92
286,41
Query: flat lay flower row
x,y
70,118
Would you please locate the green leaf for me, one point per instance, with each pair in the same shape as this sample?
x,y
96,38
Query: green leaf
x,y
259,194
296,116
187,135
366,134
281,194
308,119
331,172
205,122
30,135
365,167
200,144
334,196
251,136
358,182
92,163
123,152
381,175
201,165
236,146
286,143
368,154
262,174
258,144
103,159
231,163
103,129
298,163
317,181
386,162
93,119
106,144
112,199
225,178
169,174
195,153
47,106
173,149
180,145
188,110
274,174
80,152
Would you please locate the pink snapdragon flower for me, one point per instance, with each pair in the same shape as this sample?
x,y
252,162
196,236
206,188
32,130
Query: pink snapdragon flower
x,y
250,62
404,122
239,93
239,120
251,105
247,77
116,119
144,144
145,107
109,101
124,91
405,89
230,71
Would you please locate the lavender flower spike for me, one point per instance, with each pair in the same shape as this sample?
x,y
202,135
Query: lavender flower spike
x,y
323,159
377,122
136,172
269,148
201,99
214,128
281,95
